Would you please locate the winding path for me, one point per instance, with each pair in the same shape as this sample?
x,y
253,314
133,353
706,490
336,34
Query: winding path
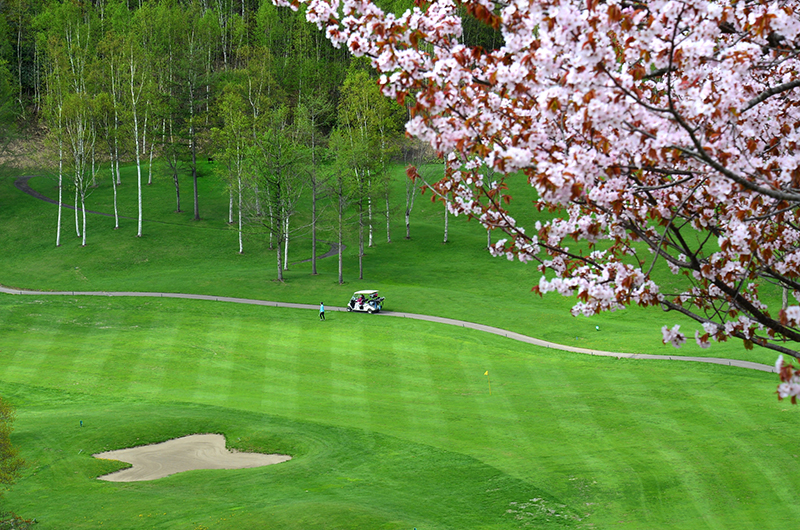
x,y
460,323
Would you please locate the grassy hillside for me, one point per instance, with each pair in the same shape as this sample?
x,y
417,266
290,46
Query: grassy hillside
x,y
390,421
458,280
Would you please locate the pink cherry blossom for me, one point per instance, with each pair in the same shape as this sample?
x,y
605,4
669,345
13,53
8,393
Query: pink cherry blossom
x,y
664,133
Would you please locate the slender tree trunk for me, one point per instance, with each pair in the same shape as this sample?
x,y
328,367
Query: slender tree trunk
x,y
114,188
313,222
411,192
83,214
144,135
278,253
369,210
488,238
152,151
286,244
360,240
388,217
313,198
116,163
77,223
19,57
239,180
341,228
193,145
176,181
173,161
94,173
446,215
138,160
60,184
194,180
116,143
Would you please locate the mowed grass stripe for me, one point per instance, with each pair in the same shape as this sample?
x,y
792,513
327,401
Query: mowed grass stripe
x,y
348,396
20,340
313,387
243,353
568,440
180,360
278,353
152,341
384,383
489,381
636,427
137,363
629,431
223,361
749,463
419,405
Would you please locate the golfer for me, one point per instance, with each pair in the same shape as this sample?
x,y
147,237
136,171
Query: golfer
x,y
321,311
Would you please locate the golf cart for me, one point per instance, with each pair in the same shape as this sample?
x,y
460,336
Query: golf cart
x,y
366,301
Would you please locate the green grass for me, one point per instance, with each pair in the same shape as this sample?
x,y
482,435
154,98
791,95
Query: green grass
x,y
390,421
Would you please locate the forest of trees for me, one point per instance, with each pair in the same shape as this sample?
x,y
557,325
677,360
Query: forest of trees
x,y
251,86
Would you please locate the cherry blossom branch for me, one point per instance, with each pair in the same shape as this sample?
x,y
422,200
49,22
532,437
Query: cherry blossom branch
x,y
771,91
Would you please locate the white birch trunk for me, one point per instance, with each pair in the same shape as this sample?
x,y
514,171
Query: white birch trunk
x,y
239,179
116,162
77,222
286,244
388,227
134,104
138,168
83,212
60,182
150,165
114,187
280,264
94,172
369,213
446,214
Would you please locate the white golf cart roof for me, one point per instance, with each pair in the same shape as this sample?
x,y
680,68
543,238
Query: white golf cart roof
x,y
366,291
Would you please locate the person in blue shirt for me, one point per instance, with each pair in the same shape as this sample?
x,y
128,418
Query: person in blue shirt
x,y
321,311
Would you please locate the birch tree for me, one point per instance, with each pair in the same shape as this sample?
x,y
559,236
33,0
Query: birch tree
x,y
278,159
53,113
357,124
313,110
233,141
77,111
341,185
138,82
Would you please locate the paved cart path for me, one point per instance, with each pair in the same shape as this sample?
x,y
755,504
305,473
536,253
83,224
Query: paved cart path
x,y
460,323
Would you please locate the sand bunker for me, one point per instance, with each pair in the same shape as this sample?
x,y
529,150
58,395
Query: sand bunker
x,y
197,451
